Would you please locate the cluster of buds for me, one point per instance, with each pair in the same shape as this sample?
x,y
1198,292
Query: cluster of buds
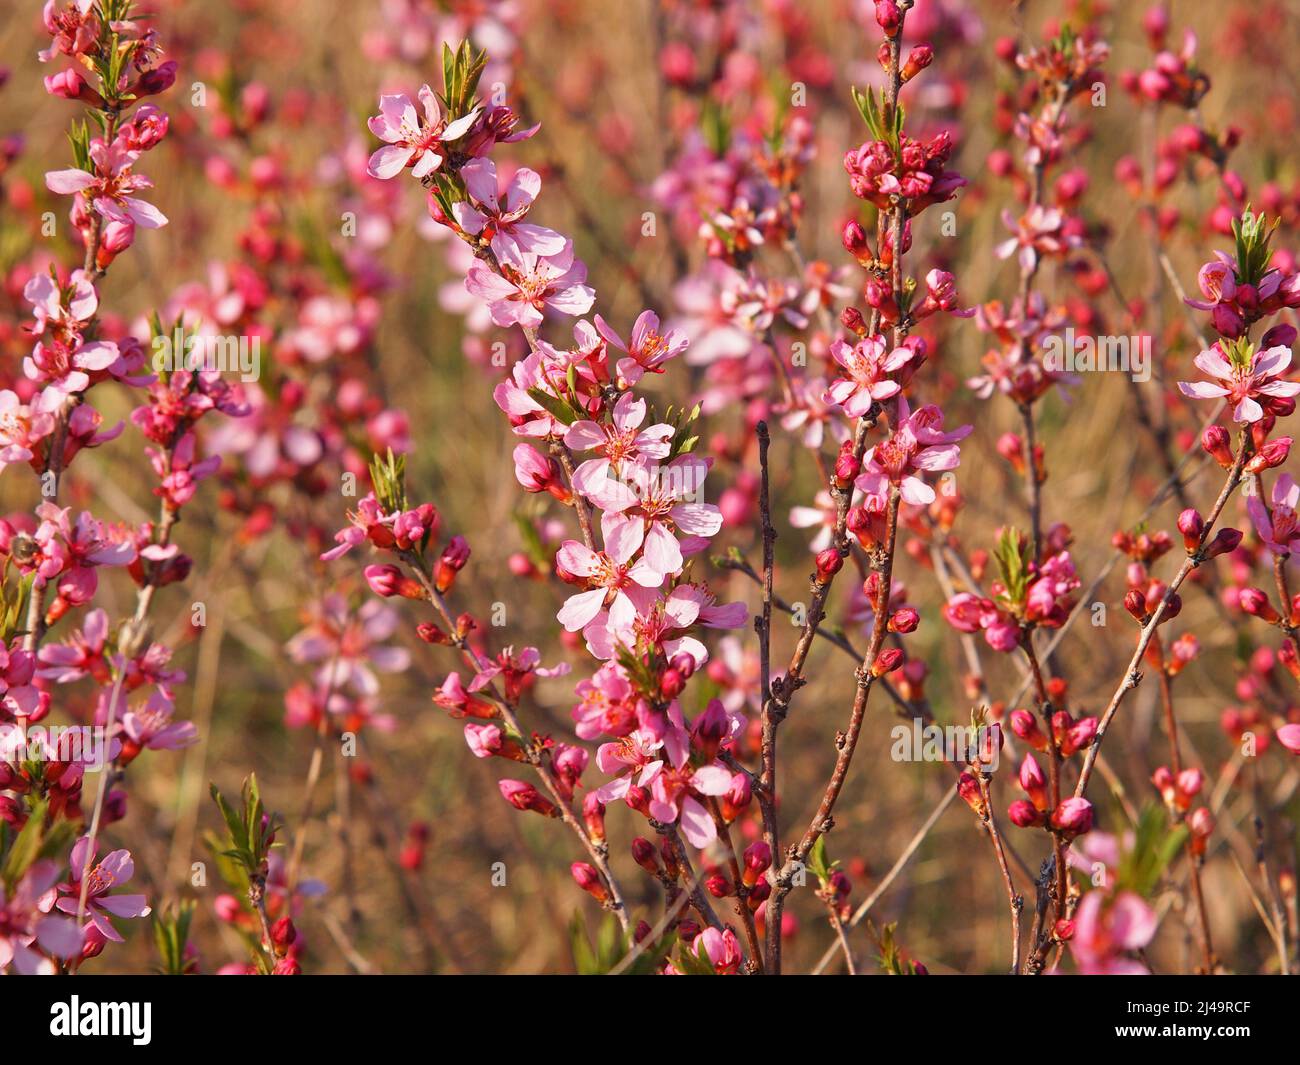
x,y
1069,818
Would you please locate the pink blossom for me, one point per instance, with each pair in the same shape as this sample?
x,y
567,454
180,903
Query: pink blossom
x,y
606,705
651,503
116,868
21,428
528,283
110,185
516,670
27,933
917,445
349,644
617,441
1242,376
1280,532
151,725
647,350
872,373
1106,928
614,583
498,218
410,141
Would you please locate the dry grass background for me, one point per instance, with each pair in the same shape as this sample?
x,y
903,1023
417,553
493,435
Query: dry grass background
x,y
583,63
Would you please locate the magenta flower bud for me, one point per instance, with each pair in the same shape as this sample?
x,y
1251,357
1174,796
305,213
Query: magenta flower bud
x,y
1255,602
758,859
918,59
286,966
160,79
719,886
484,740
904,620
854,239
1218,444
1272,454
1023,814
1189,783
737,797
968,788
852,320
710,729
383,580
593,815
1073,817
1081,735
638,799
1227,322
829,563
886,662
1192,526
283,934
1201,822
523,796
671,683
1033,783
117,236
589,879
1025,725
1224,542
847,467
888,17
643,853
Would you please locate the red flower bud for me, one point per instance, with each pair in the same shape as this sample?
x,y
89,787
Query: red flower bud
x,y
1218,444
1255,602
968,788
758,859
1025,725
917,60
1272,454
1024,815
643,853
829,563
589,879
1225,541
886,662
1073,817
904,620
1192,526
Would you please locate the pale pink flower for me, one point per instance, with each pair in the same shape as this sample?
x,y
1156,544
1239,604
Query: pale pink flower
x,y
917,445
151,726
110,185
651,503
116,868
1038,232
614,583
1243,377
21,428
1106,929
618,441
500,217
410,141
528,283
647,350
27,934
872,373
349,644
1281,533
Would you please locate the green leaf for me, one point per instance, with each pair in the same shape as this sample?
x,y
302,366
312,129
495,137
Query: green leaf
x,y
553,405
26,846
